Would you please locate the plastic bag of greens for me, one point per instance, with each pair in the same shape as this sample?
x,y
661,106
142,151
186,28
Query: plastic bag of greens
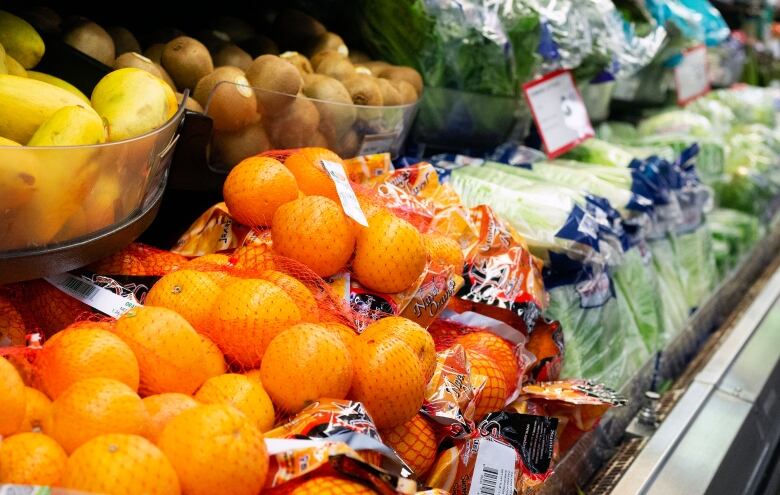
x,y
636,283
751,105
671,285
602,342
694,253
733,234
676,122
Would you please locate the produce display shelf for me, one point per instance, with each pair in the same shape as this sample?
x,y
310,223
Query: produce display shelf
x,y
597,448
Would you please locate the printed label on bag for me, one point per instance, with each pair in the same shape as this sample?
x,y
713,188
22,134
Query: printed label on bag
x,y
347,196
24,490
691,76
494,469
377,143
559,112
92,294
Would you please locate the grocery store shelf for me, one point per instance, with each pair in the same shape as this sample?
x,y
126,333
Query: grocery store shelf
x,y
607,444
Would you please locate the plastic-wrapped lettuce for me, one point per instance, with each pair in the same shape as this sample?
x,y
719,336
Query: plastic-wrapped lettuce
x,y
751,105
603,342
695,257
676,122
733,234
674,308
552,218
637,285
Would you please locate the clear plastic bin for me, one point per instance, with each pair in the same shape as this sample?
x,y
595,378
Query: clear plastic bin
x,y
54,196
283,122
450,119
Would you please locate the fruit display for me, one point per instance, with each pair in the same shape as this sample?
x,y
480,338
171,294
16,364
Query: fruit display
x,y
69,165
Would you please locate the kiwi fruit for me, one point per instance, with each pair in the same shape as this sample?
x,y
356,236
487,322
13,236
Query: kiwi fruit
x,y
390,95
229,148
334,105
165,76
357,57
404,74
296,30
227,98
318,139
329,41
299,61
124,40
364,90
294,127
406,91
190,104
187,60
335,65
309,79
138,61
237,29
212,39
232,54
154,52
260,45
43,19
348,145
93,40
375,66
274,75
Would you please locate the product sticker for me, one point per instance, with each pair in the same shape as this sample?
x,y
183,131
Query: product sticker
x,y
494,470
347,196
559,112
596,291
377,143
24,490
691,76
92,294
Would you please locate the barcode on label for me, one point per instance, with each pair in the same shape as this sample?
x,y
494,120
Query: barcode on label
x,y
82,289
489,481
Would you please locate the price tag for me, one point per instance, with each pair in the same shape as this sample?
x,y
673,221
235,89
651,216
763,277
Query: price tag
x,y
559,112
347,196
377,143
92,294
691,76
494,470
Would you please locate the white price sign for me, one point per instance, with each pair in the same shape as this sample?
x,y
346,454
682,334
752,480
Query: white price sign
x,y
559,112
691,76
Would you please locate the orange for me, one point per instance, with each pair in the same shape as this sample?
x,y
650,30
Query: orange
x,y
297,291
346,334
305,363
37,412
172,356
215,448
256,187
389,254
164,407
314,231
31,459
312,179
412,334
94,407
498,350
242,392
208,261
12,399
82,351
444,250
247,315
139,259
415,442
253,259
120,465
331,485
486,374
12,328
388,380
51,308
188,292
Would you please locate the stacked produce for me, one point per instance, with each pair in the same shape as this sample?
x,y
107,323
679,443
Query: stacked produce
x,y
261,98
314,326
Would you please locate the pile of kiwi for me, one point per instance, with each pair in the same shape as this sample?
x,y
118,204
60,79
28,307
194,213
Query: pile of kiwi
x,y
317,93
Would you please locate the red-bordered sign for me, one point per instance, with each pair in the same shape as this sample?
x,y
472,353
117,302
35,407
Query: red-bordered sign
x,y
692,75
559,112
